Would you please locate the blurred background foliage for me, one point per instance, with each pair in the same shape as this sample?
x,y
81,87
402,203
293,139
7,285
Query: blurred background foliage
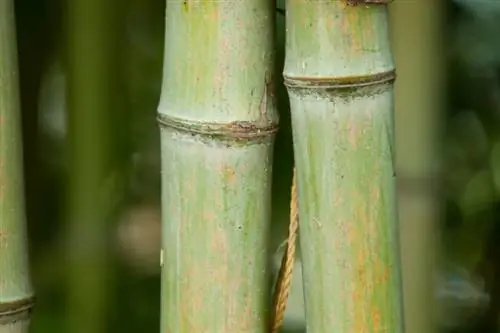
x,y
471,161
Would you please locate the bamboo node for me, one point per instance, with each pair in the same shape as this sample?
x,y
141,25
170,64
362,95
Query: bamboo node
x,y
339,82
11,312
367,2
236,130
284,281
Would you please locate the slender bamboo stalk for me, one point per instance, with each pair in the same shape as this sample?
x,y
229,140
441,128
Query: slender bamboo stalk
x,y
339,73
217,122
419,111
91,39
16,293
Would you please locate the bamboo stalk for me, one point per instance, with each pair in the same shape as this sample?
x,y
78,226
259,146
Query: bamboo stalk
x,y
419,118
217,122
93,176
16,292
339,73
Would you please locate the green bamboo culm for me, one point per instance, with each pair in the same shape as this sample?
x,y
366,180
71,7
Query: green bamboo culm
x,y
16,292
217,123
419,101
93,178
339,73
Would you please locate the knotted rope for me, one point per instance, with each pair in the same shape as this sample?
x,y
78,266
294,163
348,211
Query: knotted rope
x,y
282,289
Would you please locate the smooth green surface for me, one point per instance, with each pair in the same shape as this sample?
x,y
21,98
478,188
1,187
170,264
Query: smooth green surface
x,y
94,185
326,38
216,206
344,153
15,282
419,101
216,191
218,59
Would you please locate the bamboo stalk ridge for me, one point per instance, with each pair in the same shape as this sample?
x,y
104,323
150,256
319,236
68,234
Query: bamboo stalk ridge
x,y
217,122
339,73
16,292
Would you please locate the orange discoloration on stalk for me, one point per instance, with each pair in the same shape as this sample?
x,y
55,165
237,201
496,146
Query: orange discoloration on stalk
x,y
351,18
237,305
355,302
242,24
229,175
381,272
376,320
219,244
353,132
246,321
2,184
218,266
349,233
3,240
214,14
375,193
363,286
185,299
208,216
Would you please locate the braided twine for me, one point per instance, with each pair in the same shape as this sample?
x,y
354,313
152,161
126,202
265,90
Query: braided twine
x,y
284,281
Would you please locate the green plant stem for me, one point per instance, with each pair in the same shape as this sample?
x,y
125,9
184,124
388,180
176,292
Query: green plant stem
x,y
16,292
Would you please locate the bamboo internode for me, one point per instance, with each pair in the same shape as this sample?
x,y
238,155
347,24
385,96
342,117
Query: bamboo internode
x,y
16,292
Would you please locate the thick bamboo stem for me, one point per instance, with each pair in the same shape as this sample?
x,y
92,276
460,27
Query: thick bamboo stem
x,y
217,122
339,73
16,293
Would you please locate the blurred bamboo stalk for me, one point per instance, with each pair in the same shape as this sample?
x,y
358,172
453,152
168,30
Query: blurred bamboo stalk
x,y
91,59
339,73
417,28
16,293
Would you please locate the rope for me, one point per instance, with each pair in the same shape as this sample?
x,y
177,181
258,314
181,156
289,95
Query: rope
x,y
284,281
